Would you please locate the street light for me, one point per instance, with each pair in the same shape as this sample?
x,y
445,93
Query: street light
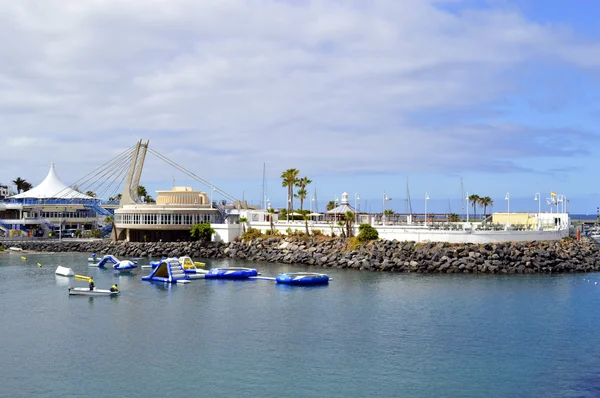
x,y
356,199
426,200
507,198
467,200
385,197
538,198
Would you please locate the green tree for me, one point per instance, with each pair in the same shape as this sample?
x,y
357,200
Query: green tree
x,y
111,220
289,178
453,217
19,183
283,214
330,205
243,221
485,202
271,215
474,199
302,183
27,186
141,191
202,232
367,233
349,219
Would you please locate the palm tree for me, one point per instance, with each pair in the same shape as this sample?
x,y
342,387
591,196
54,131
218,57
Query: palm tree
x,y
475,200
302,183
141,191
243,221
111,220
289,178
91,193
485,202
271,215
19,183
331,205
349,216
27,186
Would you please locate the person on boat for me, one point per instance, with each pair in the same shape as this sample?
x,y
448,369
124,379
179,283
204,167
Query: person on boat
x,y
114,288
92,283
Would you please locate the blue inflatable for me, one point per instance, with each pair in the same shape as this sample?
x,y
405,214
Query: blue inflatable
x,y
156,263
108,259
231,273
169,271
302,279
125,266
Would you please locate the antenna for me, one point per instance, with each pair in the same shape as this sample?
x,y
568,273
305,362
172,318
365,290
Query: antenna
x,y
316,201
264,189
462,197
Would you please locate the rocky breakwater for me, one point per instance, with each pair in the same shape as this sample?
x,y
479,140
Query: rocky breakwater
x,y
390,256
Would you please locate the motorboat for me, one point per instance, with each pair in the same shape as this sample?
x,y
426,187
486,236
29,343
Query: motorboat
x,y
85,291
302,278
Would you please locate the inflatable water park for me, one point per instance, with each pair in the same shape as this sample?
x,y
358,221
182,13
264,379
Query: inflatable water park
x,y
184,269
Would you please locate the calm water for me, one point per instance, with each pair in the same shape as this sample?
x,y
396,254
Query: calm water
x,y
366,334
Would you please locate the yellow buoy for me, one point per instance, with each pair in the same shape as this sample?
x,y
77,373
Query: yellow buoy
x,y
39,265
23,258
87,278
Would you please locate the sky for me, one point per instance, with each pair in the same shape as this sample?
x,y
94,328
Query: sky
x,y
437,98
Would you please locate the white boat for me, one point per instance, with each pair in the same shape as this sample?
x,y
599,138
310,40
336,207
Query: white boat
x,y
15,249
85,291
64,271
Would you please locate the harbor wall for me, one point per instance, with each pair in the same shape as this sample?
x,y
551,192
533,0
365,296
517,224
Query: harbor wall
x,y
562,256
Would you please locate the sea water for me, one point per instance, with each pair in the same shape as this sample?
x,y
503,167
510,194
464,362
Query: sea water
x,y
366,334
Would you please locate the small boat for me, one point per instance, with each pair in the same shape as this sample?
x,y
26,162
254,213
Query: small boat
x,y
15,249
125,266
231,273
85,291
64,271
302,278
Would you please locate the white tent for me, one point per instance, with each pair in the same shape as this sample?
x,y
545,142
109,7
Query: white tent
x,y
51,188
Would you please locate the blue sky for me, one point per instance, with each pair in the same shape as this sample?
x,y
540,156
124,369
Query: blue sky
x,y
358,95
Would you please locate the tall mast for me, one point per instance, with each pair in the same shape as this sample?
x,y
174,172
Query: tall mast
x,y
264,190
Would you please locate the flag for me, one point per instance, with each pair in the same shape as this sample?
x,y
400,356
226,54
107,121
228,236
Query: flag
x,y
553,194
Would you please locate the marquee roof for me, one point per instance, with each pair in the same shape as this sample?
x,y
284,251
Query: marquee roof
x,y
51,188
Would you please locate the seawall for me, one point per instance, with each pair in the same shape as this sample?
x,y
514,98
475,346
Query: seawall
x,y
562,256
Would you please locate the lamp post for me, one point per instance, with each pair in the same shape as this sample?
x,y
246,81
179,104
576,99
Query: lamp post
x,y
538,198
507,198
385,197
356,199
467,200
426,200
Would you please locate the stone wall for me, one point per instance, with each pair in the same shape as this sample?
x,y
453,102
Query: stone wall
x,y
562,256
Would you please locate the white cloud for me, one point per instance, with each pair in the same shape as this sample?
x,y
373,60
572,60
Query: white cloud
x,y
298,84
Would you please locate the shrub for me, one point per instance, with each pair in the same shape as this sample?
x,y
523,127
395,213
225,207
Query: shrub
x,y
367,233
202,232
251,233
317,232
